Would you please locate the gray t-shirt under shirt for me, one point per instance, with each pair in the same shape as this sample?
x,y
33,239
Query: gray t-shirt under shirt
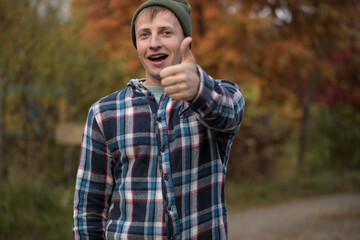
x,y
158,91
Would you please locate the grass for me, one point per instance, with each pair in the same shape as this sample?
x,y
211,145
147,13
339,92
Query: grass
x,y
41,210
245,195
31,209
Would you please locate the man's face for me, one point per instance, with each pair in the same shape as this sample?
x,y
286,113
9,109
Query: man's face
x,y
158,43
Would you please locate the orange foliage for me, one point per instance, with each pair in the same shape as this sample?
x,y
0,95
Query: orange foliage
x,y
285,54
231,41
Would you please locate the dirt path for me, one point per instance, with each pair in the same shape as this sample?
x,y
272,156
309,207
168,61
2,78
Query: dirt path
x,y
335,217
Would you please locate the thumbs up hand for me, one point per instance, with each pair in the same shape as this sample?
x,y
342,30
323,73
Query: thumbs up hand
x,y
182,81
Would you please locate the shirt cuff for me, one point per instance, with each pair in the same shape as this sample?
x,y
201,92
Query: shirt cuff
x,y
201,87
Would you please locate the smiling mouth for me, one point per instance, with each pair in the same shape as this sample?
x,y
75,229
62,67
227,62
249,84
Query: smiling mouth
x,y
158,58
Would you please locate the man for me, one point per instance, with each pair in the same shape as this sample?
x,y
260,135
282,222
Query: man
x,y
154,154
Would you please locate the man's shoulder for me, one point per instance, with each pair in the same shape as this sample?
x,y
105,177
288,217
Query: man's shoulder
x,y
113,96
116,96
113,100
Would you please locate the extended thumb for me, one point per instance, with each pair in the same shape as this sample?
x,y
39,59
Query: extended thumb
x,y
185,50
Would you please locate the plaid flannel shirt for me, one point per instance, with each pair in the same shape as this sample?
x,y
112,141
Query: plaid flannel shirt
x,y
150,171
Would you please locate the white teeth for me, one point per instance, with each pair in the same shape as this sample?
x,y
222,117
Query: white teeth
x,y
157,56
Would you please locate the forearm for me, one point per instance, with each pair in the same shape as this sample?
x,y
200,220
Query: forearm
x,y
219,103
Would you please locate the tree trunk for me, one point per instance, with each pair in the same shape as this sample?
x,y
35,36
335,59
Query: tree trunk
x,y
303,134
2,120
69,163
307,100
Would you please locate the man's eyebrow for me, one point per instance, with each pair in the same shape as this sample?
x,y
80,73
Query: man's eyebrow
x,y
166,27
159,28
143,29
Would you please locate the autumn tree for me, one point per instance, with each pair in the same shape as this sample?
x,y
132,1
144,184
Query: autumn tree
x,y
309,31
289,48
284,50
50,75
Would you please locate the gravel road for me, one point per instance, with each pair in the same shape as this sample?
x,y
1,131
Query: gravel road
x,y
335,217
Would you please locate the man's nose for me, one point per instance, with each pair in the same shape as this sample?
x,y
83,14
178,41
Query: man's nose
x,y
155,41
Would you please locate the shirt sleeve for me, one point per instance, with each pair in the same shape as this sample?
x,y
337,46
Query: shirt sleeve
x,y
219,103
94,182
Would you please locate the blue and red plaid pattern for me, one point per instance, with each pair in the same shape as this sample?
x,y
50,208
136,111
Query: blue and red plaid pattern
x,y
150,171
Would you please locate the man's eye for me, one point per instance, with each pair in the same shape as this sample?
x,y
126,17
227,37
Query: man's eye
x,y
143,35
166,33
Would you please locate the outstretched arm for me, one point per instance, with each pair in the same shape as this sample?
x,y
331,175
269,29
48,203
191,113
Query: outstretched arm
x,y
220,103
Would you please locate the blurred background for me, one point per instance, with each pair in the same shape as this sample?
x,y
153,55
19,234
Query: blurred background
x,y
296,62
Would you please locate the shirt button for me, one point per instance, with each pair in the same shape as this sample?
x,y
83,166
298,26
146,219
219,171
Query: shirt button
x,y
159,119
166,177
151,97
162,149
169,208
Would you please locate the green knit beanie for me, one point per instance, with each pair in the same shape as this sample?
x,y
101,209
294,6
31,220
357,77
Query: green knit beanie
x,y
181,9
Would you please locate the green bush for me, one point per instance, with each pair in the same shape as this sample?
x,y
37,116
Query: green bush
x,y
334,139
31,209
